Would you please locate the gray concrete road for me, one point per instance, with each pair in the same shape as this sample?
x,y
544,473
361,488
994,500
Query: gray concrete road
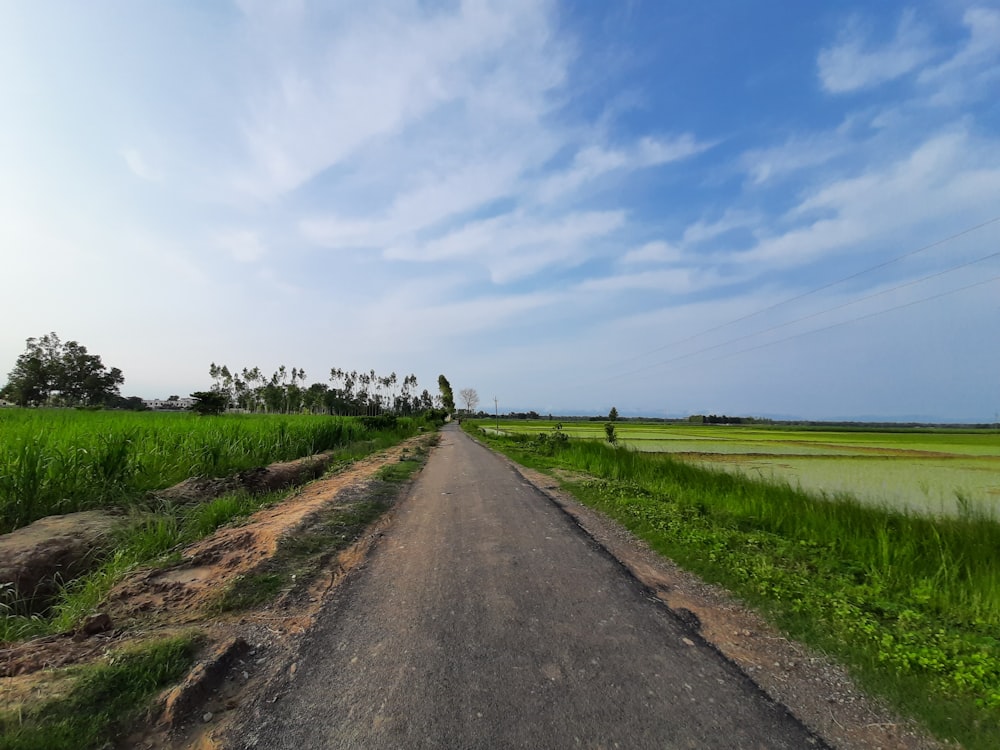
x,y
486,619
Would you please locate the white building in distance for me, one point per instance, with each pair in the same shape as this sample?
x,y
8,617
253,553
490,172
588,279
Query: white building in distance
x,y
177,404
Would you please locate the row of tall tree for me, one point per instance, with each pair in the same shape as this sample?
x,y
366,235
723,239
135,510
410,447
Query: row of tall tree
x,y
345,392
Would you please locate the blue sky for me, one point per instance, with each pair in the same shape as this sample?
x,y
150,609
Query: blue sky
x,y
668,207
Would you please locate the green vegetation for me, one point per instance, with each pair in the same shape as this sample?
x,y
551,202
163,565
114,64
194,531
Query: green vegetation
x,y
910,602
209,403
101,699
60,373
59,461
352,393
931,471
447,395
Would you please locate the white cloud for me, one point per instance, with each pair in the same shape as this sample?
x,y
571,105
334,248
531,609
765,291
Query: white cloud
x,y
140,168
974,70
594,161
440,196
516,245
854,64
668,281
702,231
657,251
428,313
242,245
794,155
380,74
949,178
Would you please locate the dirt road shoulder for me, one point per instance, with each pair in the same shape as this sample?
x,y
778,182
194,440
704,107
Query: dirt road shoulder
x,y
818,691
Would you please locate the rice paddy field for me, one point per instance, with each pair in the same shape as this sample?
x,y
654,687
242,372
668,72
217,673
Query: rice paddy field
x,y
934,471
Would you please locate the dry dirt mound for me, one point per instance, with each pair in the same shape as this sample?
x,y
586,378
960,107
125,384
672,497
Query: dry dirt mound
x,y
176,594
212,563
35,558
258,481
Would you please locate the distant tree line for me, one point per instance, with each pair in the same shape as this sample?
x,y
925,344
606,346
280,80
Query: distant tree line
x,y
723,419
522,415
347,393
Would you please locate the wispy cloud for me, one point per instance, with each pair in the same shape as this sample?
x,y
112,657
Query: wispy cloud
x,y
135,161
512,246
382,73
593,162
949,177
703,231
855,63
974,70
242,245
797,153
666,281
656,252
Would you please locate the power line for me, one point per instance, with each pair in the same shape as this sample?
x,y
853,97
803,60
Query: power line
x,y
863,317
738,339
824,287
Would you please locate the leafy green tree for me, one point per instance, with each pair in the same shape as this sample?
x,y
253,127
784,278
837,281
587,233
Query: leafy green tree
x,y
447,397
613,414
609,433
425,400
314,398
208,403
127,403
51,371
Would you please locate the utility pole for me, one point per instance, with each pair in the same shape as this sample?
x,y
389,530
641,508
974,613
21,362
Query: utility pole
x,y
496,412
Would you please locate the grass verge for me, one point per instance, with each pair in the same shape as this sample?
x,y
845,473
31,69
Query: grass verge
x,y
910,603
102,699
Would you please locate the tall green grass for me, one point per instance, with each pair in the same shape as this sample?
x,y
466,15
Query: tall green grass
x,y
912,602
60,460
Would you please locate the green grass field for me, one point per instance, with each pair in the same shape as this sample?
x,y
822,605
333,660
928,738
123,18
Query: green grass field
x,y
64,460
929,471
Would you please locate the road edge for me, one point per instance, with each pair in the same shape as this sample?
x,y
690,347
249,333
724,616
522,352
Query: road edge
x,y
787,672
